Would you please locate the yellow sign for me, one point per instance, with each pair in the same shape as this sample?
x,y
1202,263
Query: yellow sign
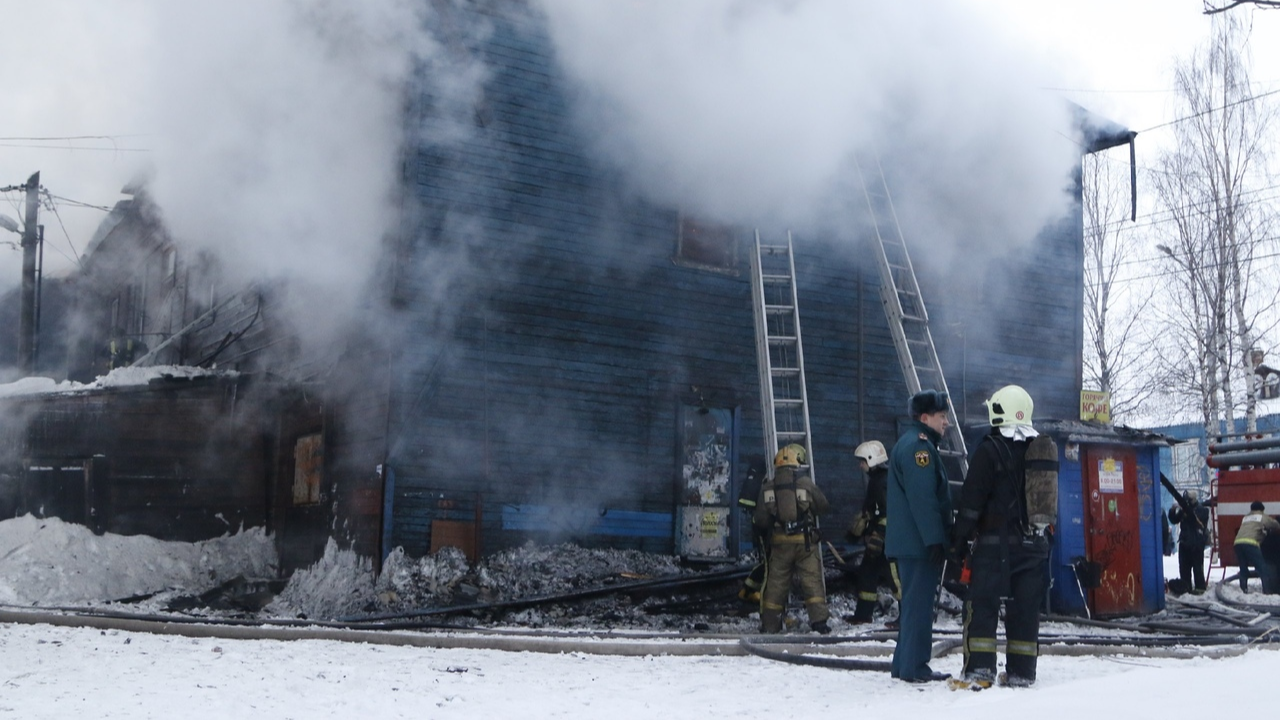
x,y
1095,406
710,524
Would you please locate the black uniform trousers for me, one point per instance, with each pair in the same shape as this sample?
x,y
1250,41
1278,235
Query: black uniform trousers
x,y
873,574
1013,570
1191,565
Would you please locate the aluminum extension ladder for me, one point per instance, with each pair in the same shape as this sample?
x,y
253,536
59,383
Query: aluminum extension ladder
x,y
904,305
784,402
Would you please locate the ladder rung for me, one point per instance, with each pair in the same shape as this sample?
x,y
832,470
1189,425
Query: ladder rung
x,y
779,308
773,249
776,278
780,339
784,371
905,311
795,435
788,401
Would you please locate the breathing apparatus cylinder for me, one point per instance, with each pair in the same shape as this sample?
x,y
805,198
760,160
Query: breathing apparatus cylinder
x,y
1041,464
788,500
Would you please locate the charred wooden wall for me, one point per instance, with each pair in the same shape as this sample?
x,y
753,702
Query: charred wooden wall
x,y
178,460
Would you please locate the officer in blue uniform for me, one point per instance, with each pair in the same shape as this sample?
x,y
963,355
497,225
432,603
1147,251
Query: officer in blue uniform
x,y
919,527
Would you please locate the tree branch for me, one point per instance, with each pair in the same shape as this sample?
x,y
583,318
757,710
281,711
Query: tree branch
x,y
1265,4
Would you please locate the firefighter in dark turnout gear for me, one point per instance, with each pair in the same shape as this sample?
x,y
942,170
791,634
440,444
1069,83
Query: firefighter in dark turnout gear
x,y
747,499
789,506
869,526
1192,519
1010,541
918,500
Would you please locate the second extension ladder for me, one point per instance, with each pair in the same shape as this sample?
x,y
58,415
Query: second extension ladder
x,y
783,399
904,306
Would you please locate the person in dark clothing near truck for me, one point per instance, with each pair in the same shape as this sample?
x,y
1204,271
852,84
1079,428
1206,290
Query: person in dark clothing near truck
x,y
1192,519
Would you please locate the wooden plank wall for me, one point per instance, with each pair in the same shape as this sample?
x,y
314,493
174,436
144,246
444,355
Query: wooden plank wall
x,y
183,462
550,337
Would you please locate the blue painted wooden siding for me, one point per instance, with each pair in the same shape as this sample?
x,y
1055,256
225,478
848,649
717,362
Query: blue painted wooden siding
x,y
546,338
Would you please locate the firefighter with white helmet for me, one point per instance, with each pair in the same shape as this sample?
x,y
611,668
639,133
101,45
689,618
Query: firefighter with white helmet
x,y
789,506
869,527
1007,508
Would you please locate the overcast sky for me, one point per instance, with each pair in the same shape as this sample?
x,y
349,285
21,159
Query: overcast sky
x,y
269,135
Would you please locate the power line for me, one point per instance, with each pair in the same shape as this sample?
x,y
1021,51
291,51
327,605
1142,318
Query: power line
x,y
1167,273
78,203
53,207
53,138
1202,113
71,148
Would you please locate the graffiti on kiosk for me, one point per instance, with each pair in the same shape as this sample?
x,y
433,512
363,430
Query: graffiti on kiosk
x,y
1125,593
1145,487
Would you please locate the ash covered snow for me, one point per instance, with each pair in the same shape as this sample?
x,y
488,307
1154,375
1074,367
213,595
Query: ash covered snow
x,y
344,586
46,562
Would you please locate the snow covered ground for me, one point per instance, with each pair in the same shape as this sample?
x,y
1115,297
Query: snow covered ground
x,y
59,672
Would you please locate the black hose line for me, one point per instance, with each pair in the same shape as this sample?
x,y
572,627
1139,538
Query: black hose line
x,y
1260,608
835,663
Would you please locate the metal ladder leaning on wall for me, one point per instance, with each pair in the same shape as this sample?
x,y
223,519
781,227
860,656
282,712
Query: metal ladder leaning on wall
x,y
904,306
784,402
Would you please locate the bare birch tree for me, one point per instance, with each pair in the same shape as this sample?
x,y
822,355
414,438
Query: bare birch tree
x,y
1113,360
1205,183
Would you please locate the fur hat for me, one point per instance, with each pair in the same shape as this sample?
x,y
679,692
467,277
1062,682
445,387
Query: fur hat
x,y
928,401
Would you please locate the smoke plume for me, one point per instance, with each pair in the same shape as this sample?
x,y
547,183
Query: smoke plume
x,y
751,111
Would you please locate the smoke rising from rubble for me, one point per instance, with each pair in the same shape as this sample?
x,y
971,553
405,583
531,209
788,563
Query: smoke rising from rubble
x,y
749,112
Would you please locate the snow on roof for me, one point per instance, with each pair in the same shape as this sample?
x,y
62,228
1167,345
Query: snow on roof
x,y
118,378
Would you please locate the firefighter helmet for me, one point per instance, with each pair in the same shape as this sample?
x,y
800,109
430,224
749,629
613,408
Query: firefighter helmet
x,y
1010,405
872,452
792,455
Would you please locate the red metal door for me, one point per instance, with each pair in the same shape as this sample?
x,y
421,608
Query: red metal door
x,y
1111,531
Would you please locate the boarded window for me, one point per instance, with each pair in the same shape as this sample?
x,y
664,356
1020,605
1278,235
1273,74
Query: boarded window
x,y
308,465
707,246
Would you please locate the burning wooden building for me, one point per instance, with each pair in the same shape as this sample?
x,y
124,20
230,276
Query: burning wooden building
x,y
545,355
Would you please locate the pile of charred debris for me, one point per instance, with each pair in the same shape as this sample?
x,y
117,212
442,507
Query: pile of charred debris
x,y
532,586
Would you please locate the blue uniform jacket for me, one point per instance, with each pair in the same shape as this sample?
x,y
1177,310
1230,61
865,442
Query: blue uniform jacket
x,y
919,498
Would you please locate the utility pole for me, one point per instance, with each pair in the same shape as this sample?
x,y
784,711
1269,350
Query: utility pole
x,y
30,242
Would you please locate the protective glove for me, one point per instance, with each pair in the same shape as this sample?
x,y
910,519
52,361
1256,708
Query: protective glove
x,y
936,554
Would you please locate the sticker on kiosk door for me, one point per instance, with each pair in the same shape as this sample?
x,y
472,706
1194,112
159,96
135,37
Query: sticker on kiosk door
x,y
1110,475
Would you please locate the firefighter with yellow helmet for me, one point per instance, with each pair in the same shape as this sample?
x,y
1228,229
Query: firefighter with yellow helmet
x,y
788,509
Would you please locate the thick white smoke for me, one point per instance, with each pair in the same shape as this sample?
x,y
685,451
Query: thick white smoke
x,y
278,132
269,130
749,111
